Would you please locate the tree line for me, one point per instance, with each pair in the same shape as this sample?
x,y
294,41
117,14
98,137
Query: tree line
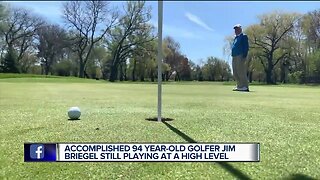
x,y
101,41
284,47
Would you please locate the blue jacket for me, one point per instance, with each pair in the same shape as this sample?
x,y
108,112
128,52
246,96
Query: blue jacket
x,y
240,46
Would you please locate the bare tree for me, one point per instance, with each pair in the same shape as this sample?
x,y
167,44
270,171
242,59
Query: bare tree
x,y
19,30
133,31
3,15
52,40
89,21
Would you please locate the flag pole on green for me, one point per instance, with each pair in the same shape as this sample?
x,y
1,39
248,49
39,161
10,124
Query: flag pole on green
x,y
160,57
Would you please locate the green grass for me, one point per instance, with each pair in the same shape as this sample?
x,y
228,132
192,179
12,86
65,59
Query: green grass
x,y
284,119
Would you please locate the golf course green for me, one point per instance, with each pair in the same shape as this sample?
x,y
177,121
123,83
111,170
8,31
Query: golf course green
x,y
284,119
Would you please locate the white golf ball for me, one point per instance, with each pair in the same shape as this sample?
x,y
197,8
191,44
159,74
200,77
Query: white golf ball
x,y
74,113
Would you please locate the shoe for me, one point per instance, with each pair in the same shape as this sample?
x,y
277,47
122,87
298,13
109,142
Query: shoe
x,y
235,89
245,89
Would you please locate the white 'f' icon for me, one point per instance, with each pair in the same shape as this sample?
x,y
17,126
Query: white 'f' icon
x,y
39,152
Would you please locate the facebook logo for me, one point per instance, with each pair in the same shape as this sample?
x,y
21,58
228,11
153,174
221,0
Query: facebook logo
x,y
37,151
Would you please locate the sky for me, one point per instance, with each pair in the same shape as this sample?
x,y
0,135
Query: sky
x,y
200,27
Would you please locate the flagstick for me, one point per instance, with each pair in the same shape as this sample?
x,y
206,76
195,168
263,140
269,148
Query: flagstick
x,y
160,13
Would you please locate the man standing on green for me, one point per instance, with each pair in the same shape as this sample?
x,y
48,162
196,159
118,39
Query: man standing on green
x,y
240,48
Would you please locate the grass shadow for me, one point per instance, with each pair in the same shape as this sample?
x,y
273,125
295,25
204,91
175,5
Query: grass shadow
x,y
156,119
74,119
180,133
235,172
300,177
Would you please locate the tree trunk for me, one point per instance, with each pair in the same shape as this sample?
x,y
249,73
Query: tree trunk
x,y
283,73
167,76
85,74
81,69
250,76
121,72
152,76
304,72
134,70
47,68
268,71
125,73
114,65
269,76
141,77
42,69
113,73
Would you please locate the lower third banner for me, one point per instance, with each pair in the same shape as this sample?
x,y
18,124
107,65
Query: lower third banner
x,y
143,152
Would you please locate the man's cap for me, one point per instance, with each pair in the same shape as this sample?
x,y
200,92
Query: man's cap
x,y
237,26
